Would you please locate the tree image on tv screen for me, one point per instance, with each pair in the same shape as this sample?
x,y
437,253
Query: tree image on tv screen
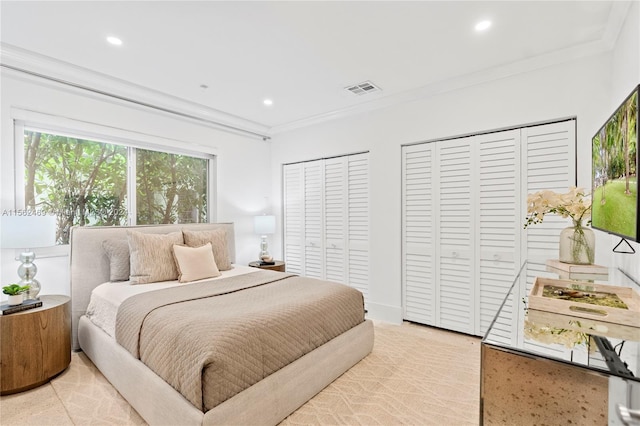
x,y
615,172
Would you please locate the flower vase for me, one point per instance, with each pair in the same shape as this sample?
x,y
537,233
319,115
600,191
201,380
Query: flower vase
x,y
577,245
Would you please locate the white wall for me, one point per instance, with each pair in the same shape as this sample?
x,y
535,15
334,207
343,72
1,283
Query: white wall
x,y
580,88
239,160
625,75
589,89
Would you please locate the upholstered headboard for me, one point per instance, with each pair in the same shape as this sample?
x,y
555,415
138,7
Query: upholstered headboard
x,y
89,264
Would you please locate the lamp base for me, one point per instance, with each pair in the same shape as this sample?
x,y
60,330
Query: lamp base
x,y
264,255
27,272
34,288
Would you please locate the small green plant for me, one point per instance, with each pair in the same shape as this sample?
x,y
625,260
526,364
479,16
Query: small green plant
x,y
14,289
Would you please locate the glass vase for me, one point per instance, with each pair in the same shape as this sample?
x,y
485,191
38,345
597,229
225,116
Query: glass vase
x,y
577,245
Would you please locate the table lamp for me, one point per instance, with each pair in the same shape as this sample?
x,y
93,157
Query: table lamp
x,y
264,225
26,233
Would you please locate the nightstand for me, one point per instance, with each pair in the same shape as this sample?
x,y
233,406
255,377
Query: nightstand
x,y
279,266
35,345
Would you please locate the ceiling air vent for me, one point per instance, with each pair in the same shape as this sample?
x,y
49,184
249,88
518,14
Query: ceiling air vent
x,y
363,88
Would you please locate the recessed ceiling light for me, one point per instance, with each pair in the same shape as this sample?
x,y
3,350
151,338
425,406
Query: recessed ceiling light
x,y
114,40
268,102
483,25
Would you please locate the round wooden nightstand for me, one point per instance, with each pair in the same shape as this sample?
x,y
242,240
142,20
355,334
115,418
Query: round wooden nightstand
x,y
35,345
279,266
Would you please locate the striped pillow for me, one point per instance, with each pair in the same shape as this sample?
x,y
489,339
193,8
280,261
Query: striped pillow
x,y
218,240
152,256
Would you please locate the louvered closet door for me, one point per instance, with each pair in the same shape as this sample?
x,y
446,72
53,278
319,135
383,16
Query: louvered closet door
x,y
293,209
313,225
326,219
418,232
357,234
499,223
346,216
464,204
456,295
335,217
549,163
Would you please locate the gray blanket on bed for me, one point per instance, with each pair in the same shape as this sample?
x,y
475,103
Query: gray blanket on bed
x,y
212,340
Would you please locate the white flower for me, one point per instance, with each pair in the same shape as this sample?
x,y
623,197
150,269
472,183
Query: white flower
x,y
556,335
574,204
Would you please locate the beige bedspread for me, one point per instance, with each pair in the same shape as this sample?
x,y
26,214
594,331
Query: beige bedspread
x,y
219,338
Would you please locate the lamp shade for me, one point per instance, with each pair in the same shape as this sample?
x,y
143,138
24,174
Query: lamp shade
x,y
264,224
27,231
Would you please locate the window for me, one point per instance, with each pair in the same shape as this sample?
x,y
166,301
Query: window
x,y
170,188
87,182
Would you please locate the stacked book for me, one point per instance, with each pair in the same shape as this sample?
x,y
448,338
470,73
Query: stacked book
x,y
570,271
26,305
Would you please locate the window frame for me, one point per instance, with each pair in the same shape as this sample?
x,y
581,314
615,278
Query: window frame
x,y
24,120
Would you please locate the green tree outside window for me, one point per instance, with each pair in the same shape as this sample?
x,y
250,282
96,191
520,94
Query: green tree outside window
x,y
84,182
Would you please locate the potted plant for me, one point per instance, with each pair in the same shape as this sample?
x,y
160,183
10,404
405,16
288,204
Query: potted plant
x,y
14,291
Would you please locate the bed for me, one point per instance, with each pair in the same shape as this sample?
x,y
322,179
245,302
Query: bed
x,y
244,297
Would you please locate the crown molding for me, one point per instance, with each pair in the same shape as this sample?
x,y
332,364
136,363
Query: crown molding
x,y
60,72
455,83
615,21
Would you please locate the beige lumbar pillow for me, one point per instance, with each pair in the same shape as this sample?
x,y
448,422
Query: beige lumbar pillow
x,y
218,240
195,263
152,256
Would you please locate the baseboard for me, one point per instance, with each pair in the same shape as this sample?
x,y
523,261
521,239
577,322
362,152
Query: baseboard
x,y
386,313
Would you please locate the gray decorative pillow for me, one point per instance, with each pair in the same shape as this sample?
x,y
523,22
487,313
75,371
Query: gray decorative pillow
x,y
152,256
218,240
118,254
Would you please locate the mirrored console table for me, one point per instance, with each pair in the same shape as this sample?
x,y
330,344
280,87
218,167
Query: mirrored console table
x,y
541,367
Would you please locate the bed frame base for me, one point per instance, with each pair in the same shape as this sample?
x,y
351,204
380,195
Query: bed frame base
x,y
266,403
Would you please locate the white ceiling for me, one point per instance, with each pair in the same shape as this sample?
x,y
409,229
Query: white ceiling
x,y
302,54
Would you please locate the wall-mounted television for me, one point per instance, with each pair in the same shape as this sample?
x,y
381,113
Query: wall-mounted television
x,y
614,148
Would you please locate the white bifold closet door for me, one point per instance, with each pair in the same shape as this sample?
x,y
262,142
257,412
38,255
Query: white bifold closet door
x,y
456,289
438,239
326,219
293,208
464,204
498,225
313,226
357,235
549,163
419,183
335,219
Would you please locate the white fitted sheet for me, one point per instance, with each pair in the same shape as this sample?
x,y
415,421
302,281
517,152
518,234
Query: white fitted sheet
x,y
107,297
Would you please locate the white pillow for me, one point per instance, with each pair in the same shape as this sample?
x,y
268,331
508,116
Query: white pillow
x,y
195,263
